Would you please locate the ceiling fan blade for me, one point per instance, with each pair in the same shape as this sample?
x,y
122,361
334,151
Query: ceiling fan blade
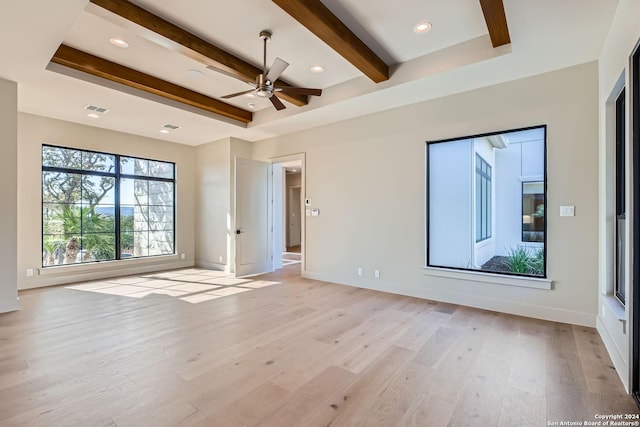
x,y
226,73
277,68
233,95
277,103
299,91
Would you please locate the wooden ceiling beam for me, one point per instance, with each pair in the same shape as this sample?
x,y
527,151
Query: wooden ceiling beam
x,y
151,27
318,19
496,20
85,62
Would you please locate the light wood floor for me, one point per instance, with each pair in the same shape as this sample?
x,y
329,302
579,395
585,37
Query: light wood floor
x,y
295,353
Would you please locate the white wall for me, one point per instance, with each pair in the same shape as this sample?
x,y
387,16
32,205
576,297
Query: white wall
x,y
8,195
451,203
522,160
613,63
381,156
213,211
485,250
33,131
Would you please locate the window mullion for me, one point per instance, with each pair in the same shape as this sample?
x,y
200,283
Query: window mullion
x,y
116,198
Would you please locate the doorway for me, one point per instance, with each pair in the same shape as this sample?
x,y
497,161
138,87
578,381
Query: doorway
x,y
288,212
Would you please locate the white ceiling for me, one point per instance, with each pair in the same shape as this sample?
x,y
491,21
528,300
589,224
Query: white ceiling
x,y
455,56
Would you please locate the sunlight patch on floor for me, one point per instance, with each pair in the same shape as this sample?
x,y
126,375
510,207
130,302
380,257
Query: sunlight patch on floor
x,y
192,285
289,258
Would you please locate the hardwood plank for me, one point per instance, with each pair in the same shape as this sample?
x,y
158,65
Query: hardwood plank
x,y
90,64
318,19
357,399
269,356
318,399
482,395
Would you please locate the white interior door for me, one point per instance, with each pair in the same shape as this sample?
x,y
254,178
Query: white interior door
x,y
253,187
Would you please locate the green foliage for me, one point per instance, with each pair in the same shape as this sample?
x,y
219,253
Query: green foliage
x,y
94,231
521,261
536,263
539,213
518,260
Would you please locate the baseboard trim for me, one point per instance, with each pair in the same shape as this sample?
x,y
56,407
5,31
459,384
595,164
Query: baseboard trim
x,y
493,304
616,357
44,281
211,266
7,307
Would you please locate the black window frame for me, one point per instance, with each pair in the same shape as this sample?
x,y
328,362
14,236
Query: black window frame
x,y
118,176
427,207
620,191
483,200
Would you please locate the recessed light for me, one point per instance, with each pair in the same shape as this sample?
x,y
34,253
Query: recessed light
x,y
422,27
250,95
317,69
195,74
93,115
118,42
164,131
294,170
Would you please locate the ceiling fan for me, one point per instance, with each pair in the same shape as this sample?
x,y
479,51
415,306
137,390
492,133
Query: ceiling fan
x,y
265,83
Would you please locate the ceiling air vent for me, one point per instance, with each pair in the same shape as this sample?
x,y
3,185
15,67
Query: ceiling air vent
x,y
172,127
100,110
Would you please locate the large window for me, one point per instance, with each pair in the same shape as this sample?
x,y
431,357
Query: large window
x,y
483,199
100,206
486,197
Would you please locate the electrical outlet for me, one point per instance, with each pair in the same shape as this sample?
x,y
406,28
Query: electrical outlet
x,y
360,272
220,258
182,256
29,272
376,274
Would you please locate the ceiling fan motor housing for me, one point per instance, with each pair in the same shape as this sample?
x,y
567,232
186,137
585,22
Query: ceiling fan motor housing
x,y
264,87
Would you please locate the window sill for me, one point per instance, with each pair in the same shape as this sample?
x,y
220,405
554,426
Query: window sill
x,y
495,279
59,270
615,307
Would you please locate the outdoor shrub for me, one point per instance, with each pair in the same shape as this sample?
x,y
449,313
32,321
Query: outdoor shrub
x,y
518,260
537,263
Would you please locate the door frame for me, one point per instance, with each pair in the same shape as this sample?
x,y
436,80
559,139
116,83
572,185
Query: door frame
x,y
301,157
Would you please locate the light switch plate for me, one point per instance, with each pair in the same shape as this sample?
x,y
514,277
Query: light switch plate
x,y
315,212
567,210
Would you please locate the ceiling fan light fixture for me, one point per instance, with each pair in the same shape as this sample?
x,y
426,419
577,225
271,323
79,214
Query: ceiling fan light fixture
x,y
264,93
195,74
422,27
118,42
